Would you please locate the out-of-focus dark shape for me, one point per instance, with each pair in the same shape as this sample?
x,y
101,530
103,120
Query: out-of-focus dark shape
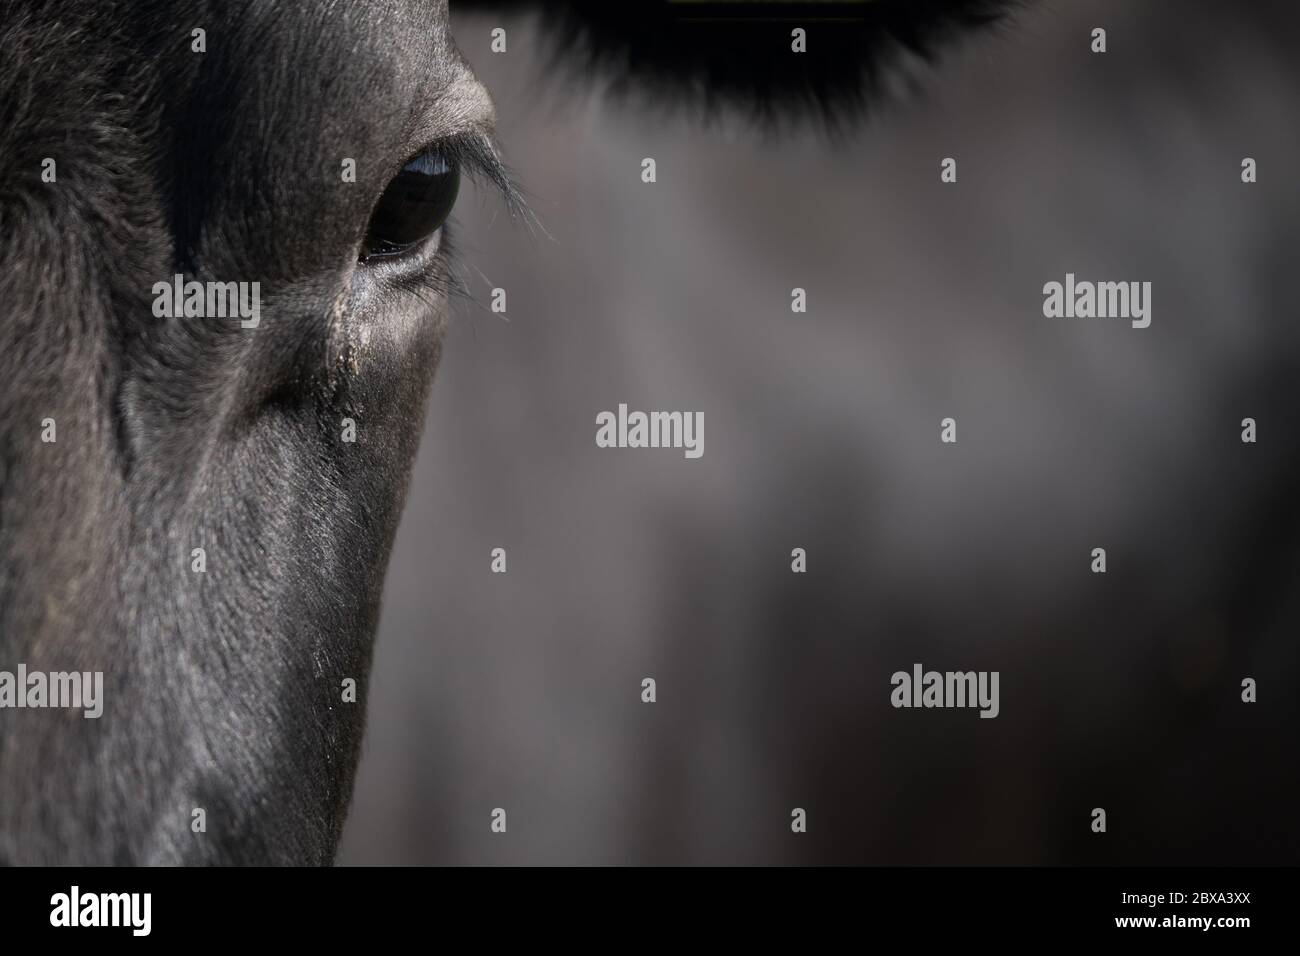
x,y
744,57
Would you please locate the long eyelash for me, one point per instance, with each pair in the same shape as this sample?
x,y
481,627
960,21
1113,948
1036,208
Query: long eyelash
x,y
448,278
476,153
445,276
449,274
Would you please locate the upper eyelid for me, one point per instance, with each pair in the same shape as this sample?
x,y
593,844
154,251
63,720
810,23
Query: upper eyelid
x,y
458,119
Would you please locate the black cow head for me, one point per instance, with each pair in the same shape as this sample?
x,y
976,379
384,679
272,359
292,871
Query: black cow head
x,y
200,505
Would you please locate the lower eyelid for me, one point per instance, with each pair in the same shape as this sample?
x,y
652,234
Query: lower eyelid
x,y
425,269
414,257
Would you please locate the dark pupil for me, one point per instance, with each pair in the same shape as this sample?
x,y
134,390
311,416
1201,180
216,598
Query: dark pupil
x,y
413,206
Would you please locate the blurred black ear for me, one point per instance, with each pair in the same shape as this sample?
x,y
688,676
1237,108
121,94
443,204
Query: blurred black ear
x,y
746,55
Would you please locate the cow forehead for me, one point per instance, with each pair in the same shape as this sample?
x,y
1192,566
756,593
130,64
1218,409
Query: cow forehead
x,y
306,60
313,28
330,41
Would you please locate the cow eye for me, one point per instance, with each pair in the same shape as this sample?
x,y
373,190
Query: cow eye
x,y
413,207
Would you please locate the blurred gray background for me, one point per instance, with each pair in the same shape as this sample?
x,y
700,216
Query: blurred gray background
x,y
1120,691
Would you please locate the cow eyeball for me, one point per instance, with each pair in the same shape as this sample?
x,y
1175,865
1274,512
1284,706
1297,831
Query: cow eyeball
x,y
413,207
